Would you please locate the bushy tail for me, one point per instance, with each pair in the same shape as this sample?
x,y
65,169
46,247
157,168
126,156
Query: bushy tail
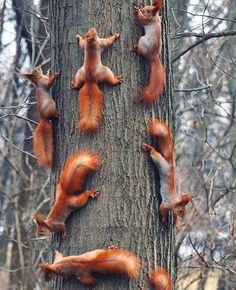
x,y
43,143
76,169
156,82
115,261
160,279
90,107
162,132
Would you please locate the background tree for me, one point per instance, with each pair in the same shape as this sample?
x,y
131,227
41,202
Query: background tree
x,y
204,70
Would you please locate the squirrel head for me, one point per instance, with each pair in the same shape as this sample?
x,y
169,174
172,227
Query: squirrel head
x,y
42,227
91,34
49,274
37,72
33,76
179,208
149,11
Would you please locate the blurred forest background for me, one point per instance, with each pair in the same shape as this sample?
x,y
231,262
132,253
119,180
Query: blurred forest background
x,y
203,40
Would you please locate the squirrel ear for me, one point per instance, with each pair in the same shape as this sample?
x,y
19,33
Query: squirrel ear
x,y
158,5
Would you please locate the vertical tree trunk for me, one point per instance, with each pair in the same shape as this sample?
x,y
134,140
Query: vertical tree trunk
x,y
127,211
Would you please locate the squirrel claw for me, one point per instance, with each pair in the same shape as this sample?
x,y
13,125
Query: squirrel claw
x,y
94,194
117,35
72,85
146,147
136,9
135,48
120,78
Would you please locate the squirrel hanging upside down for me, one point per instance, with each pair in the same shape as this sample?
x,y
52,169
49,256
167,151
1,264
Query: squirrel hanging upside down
x,y
87,78
164,161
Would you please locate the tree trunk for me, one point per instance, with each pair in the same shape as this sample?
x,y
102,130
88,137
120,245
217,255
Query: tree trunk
x,y
127,211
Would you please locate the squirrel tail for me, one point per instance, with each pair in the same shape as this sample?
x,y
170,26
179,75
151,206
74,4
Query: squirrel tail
x,y
160,279
90,107
162,132
118,261
76,169
156,82
43,143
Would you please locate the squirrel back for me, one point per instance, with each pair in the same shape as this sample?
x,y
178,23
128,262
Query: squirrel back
x,y
76,169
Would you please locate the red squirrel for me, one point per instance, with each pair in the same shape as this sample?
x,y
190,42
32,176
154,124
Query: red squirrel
x,y
90,98
43,135
68,196
149,46
160,279
164,160
103,261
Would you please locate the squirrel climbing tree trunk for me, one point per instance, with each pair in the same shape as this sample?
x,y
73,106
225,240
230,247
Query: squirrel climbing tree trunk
x,y
126,213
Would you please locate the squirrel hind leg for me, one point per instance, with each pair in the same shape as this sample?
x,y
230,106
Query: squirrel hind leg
x,y
79,80
86,278
164,213
108,77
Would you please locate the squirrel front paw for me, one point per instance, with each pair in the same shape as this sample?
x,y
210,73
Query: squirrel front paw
x,y
136,9
116,35
147,148
135,48
73,86
94,194
120,79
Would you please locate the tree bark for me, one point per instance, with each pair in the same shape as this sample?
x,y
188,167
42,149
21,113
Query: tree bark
x,y
127,211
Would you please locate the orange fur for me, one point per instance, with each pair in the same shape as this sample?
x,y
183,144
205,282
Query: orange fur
x,y
106,262
43,143
90,107
154,88
43,136
76,169
160,279
160,130
149,46
68,195
164,160
89,76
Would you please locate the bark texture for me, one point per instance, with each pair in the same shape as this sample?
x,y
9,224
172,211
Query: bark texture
x,y
127,211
